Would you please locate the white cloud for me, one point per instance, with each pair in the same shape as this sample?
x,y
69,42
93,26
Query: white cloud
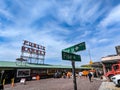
x,y
46,37
9,33
86,33
6,13
9,51
112,18
53,36
81,13
93,40
103,40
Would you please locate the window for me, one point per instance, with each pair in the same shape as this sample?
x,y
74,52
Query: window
x,y
23,72
116,67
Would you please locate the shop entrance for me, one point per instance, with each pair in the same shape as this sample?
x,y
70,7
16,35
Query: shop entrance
x,y
8,75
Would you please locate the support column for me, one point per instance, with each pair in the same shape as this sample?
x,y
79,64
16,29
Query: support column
x,y
104,69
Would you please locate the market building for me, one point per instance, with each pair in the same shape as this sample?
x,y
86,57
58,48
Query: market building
x,y
109,60
10,70
106,63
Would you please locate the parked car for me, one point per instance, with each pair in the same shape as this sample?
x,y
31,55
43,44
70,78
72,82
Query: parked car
x,y
116,79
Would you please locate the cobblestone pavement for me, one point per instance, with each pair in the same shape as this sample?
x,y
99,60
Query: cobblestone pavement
x,y
56,84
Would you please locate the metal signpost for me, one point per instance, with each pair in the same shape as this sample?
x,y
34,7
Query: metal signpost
x,y
68,54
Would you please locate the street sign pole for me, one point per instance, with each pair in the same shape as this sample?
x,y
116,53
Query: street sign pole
x,y
74,76
68,54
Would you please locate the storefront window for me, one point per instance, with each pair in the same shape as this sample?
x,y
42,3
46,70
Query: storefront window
x,y
116,67
23,72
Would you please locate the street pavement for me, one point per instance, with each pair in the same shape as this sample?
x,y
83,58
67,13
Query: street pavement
x,y
64,84
56,84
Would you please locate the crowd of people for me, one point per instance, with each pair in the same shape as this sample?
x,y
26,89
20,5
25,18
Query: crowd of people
x,y
82,74
62,74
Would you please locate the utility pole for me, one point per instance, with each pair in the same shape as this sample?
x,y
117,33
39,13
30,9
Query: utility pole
x,y
90,58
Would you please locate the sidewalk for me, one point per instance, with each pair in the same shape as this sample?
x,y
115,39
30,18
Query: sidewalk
x,y
108,86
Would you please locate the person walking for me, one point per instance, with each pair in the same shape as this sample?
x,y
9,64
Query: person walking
x,y
90,76
80,74
68,74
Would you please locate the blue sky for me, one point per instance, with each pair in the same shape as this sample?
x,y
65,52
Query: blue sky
x,y
58,24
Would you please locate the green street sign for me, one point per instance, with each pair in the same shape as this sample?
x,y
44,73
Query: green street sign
x,y
70,56
76,48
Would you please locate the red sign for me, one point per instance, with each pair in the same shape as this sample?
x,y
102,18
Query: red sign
x,y
32,51
33,48
27,43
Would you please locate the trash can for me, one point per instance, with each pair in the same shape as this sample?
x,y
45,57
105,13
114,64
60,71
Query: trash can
x,y
1,87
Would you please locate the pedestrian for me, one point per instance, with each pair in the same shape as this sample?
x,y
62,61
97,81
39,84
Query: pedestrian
x,y
80,74
90,76
64,76
12,82
68,74
55,75
38,77
85,73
